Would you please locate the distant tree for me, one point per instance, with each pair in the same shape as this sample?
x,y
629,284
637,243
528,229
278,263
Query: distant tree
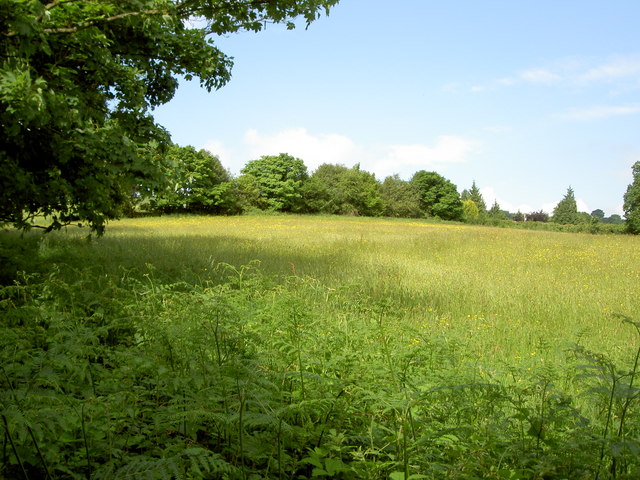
x,y
337,189
196,181
598,214
518,216
274,182
496,212
400,198
538,216
475,195
614,219
438,196
584,217
470,212
566,211
632,201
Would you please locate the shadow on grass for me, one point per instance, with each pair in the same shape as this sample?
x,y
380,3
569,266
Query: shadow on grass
x,y
174,257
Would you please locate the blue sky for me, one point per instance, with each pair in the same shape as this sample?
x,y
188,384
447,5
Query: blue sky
x,y
526,98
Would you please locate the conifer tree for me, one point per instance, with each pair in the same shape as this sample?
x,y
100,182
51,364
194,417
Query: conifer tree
x,y
566,211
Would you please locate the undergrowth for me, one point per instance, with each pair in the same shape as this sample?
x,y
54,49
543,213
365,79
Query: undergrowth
x,y
128,375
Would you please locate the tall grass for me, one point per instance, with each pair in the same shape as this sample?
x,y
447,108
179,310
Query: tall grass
x,y
298,347
507,293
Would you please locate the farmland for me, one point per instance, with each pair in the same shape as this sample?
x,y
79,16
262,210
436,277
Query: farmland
x,y
298,346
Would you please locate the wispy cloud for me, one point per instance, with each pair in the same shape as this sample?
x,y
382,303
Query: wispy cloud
x,y
599,112
615,68
541,76
578,72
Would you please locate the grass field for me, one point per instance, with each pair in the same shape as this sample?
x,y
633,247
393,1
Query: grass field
x,y
502,291
360,348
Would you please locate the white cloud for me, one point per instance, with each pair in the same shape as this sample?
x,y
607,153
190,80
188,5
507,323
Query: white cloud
x,y
216,147
614,68
540,76
314,150
598,112
489,195
581,72
448,149
582,205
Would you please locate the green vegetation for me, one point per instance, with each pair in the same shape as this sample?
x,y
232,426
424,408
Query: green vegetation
x,y
78,82
566,211
300,347
632,201
438,196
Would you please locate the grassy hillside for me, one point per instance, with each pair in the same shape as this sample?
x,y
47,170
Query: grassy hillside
x,y
296,347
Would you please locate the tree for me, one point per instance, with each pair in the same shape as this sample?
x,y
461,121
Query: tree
x,y
475,195
632,201
337,189
438,196
78,81
496,212
566,211
538,216
598,214
400,198
470,212
614,219
274,182
196,181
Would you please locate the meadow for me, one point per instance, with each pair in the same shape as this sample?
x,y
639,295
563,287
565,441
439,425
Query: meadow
x,y
303,347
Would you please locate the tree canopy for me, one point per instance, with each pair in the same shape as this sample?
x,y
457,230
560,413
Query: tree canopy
x,y
475,195
566,211
400,198
336,189
438,196
274,182
632,201
195,181
78,82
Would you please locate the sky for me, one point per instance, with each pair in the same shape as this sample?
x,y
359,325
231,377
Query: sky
x,y
526,98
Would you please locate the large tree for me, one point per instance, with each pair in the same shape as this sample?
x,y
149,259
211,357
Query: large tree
x,y
336,189
78,80
400,198
274,182
632,202
196,181
438,196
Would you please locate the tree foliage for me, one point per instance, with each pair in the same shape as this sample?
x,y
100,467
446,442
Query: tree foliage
x,y
566,211
274,182
496,213
538,216
196,181
337,189
475,195
470,211
632,201
400,198
438,196
78,81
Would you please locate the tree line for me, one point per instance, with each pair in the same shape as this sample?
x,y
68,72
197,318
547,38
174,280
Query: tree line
x,y
194,181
